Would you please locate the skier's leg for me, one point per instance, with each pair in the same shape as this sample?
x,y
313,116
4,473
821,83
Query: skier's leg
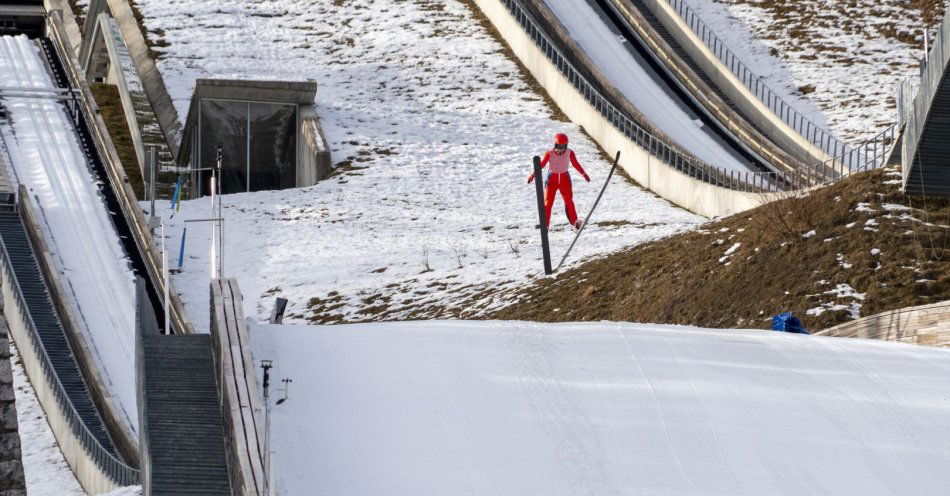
x,y
567,193
550,190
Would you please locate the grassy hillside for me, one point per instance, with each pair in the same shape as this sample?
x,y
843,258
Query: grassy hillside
x,y
855,248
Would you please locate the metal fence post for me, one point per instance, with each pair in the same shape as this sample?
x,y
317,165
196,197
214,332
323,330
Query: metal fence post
x,y
542,218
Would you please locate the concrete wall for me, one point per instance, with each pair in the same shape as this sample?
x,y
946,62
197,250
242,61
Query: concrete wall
x,y
73,33
110,53
925,325
237,383
692,194
773,126
89,475
12,482
313,153
148,72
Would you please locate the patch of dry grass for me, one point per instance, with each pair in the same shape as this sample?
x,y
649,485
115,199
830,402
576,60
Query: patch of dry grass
x,y
689,279
110,107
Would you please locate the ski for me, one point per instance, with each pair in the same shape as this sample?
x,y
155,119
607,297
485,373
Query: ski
x,y
591,212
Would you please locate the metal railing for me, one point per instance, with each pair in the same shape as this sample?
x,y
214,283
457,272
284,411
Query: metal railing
x,y
844,156
871,155
916,108
85,112
120,473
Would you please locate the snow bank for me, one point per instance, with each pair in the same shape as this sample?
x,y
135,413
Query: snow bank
x,y
605,408
435,129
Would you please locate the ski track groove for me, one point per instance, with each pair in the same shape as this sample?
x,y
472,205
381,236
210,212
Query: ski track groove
x,y
706,421
660,411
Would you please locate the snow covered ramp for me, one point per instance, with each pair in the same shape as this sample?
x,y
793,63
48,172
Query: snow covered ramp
x,y
85,246
524,409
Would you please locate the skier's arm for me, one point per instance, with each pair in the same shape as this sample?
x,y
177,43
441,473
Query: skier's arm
x,y
544,162
577,165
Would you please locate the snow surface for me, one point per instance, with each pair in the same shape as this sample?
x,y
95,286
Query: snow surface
x,y
632,75
84,244
601,408
440,129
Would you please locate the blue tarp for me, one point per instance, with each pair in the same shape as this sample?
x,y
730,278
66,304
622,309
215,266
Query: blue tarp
x,y
785,322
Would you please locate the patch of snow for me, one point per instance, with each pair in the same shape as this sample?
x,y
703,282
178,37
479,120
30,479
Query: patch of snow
x,y
850,225
864,207
125,491
875,251
871,222
894,207
893,181
841,291
809,234
843,263
729,252
600,408
853,309
845,291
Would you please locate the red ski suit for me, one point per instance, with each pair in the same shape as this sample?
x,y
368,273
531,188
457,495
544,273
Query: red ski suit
x,y
559,179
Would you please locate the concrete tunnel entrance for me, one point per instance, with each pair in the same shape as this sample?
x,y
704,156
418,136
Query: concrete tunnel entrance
x,y
268,131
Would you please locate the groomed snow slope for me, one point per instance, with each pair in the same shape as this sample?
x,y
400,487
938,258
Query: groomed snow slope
x,y
529,409
641,85
85,246
439,129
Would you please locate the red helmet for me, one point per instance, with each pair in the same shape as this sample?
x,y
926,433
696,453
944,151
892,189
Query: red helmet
x,y
560,139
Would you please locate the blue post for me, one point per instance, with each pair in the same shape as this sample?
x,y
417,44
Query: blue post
x,y
181,251
177,192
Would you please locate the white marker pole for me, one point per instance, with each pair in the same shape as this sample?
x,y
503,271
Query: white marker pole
x,y
165,276
214,233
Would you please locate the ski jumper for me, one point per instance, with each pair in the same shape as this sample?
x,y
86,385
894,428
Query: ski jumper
x,y
559,179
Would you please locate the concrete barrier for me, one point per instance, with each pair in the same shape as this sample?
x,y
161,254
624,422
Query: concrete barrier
x,y
90,476
71,27
237,383
756,110
650,171
107,44
927,325
151,78
705,96
313,152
